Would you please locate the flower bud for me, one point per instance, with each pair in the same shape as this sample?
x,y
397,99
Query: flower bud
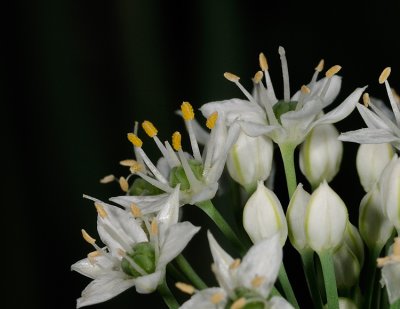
x,y
371,160
321,154
347,267
375,227
296,217
345,303
353,240
263,215
326,219
250,160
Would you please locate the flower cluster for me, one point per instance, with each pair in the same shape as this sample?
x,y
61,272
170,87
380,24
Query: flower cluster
x,y
144,233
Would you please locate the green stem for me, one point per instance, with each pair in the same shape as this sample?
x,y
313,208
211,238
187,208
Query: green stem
x,y
175,273
370,279
287,287
213,213
190,272
167,295
395,305
307,257
287,152
329,279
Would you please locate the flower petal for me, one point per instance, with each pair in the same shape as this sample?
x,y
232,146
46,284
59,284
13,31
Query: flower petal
x,y
168,215
256,129
369,136
391,279
203,299
147,204
92,270
278,302
148,284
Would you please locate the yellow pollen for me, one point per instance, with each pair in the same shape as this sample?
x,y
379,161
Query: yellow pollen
x,y
94,254
258,77
216,298
231,77
384,75
187,111
320,65
100,210
123,183
87,237
185,288
107,179
176,141
136,141
396,247
136,212
333,70
382,261
154,227
263,62
128,162
239,304
305,89
366,100
257,281
149,128
394,257
235,264
212,120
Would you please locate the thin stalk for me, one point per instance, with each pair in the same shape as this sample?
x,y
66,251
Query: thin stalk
x,y
370,279
287,287
167,295
307,257
190,273
175,273
287,152
329,279
213,213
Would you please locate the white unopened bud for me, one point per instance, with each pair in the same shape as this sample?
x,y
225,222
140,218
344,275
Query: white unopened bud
x,y
345,303
353,240
375,227
296,218
389,185
347,267
321,154
250,160
326,219
263,215
371,160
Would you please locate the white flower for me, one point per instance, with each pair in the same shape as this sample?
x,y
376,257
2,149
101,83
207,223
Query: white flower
x,y
381,127
247,282
197,175
286,121
136,253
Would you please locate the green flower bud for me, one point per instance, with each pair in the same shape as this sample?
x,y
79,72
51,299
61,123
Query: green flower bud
x,y
143,254
347,267
371,160
250,160
321,154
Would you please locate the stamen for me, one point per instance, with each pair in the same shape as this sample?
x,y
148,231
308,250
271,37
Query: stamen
x,y
231,77
320,66
216,298
382,261
87,237
258,77
176,141
384,75
107,179
174,158
187,111
235,264
239,304
366,99
100,210
333,70
257,281
136,141
188,115
235,79
285,74
263,62
185,288
127,162
396,247
264,66
92,256
305,89
132,262
154,227
149,128
211,120
162,186
136,167
123,183
135,211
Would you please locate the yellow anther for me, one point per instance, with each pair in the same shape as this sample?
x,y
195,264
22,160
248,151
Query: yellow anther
x,y
257,281
123,183
216,298
136,167
384,75
258,77
107,179
333,70
136,141
382,261
185,288
235,264
231,77
100,210
239,304
92,256
87,237
320,65
135,210
128,162
263,62
187,111
176,141
396,247
154,227
212,120
366,100
149,128
394,257
305,89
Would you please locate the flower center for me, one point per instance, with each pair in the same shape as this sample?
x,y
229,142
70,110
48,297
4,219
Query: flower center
x,y
282,107
178,175
252,298
143,254
141,187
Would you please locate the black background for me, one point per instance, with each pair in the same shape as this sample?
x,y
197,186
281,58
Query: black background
x,y
77,74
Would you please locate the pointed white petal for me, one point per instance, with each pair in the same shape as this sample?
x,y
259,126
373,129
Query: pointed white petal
x,y
203,299
168,215
391,279
301,119
369,136
255,129
147,204
278,302
148,284
372,120
93,270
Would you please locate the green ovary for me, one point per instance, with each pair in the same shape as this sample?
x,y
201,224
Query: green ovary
x,y
254,301
143,255
282,107
178,176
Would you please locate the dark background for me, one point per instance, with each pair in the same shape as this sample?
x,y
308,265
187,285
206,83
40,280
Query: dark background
x,y
77,74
